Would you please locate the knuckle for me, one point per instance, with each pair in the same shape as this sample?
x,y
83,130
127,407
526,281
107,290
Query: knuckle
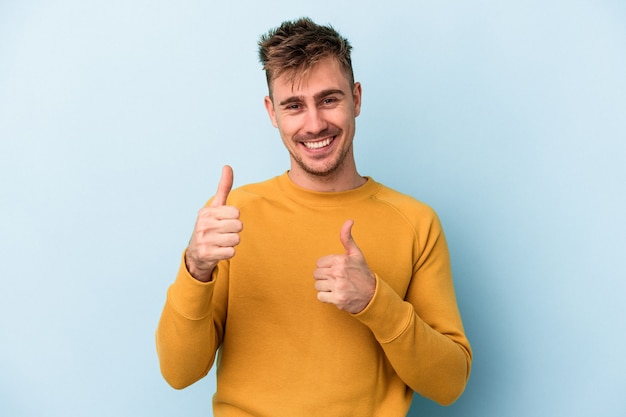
x,y
342,299
340,261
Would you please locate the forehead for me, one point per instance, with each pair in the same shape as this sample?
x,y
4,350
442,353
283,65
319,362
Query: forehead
x,y
325,75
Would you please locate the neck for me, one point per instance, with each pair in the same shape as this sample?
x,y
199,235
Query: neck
x,y
340,180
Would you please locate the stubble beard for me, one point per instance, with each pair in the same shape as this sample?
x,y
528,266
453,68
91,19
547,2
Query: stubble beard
x,y
323,172
327,171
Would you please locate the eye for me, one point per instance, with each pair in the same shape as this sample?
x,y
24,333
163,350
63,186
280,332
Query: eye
x,y
329,101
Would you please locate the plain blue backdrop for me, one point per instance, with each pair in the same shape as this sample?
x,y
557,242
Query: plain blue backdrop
x,y
509,118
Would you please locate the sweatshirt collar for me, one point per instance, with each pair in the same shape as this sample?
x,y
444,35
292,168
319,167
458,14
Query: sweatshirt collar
x,y
326,199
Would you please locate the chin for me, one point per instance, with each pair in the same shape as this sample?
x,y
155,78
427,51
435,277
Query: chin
x,y
321,172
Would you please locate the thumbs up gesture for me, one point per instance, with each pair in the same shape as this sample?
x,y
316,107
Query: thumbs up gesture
x,y
216,232
345,280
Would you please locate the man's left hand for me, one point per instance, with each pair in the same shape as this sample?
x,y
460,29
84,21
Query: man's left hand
x,y
345,280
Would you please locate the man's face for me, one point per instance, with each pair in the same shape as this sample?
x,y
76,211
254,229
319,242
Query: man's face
x,y
316,119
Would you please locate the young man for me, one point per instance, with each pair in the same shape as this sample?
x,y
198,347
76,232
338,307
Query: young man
x,y
325,292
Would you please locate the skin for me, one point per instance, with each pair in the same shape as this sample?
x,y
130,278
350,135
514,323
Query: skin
x,y
318,107
319,110
216,232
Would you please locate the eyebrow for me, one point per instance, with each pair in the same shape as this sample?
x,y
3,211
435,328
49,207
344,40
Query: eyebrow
x,y
318,96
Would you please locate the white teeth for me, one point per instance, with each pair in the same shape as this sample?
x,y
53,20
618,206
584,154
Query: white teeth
x,y
317,145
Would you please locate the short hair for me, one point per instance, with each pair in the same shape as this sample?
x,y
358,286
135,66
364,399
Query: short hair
x,y
296,46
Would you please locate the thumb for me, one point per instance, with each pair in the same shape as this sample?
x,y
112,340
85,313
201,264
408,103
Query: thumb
x,y
224,187
346,239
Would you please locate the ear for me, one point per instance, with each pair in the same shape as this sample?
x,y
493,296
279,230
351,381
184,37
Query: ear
x,y
356,97
269,106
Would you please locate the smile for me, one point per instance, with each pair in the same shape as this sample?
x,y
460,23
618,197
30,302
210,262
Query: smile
x,y
319,144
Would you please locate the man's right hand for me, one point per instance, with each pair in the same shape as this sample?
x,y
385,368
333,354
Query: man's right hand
x,y
216,232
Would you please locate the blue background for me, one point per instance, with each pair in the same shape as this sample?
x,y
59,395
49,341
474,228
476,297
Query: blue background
x,y
509,118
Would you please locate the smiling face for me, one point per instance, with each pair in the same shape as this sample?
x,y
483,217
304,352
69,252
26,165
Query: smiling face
x,y
315,116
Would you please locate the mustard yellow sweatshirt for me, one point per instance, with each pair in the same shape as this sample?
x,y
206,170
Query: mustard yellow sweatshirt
x,y
284,353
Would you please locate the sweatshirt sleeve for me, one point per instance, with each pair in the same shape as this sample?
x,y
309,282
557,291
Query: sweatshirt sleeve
x,y
422,335
191,327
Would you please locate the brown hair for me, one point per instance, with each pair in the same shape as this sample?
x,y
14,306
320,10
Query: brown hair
x,y
296,46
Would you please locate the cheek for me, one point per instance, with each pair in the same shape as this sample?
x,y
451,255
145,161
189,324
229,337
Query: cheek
x,y
288,126
345,121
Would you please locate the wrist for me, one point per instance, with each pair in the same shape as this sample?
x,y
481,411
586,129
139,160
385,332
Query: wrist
x,y
200,274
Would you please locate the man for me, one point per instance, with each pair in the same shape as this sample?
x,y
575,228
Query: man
x,y
326,293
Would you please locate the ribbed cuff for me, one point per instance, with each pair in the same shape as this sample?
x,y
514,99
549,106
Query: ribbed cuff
x,y
190,297
387,315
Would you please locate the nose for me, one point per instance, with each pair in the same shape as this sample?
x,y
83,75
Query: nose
x,y
314,121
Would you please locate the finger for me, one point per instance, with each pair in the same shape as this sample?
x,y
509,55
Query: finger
x,y
325,297
223,253
323,286
226,240
219,213
346,239
230,225
224,187
229,213
325,261
322,274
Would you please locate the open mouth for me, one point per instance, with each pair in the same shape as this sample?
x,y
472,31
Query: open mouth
x,y
318,144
